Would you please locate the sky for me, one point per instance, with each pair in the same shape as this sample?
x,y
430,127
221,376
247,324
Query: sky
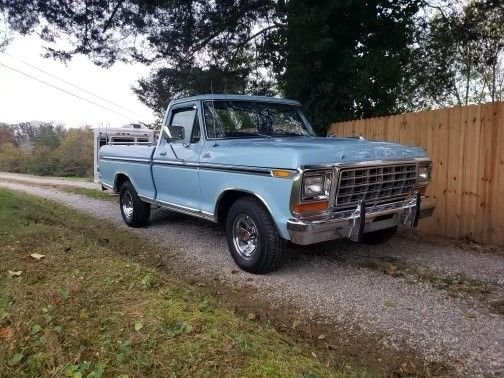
x,y
25,99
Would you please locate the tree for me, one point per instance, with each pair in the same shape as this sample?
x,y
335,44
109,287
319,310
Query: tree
x,y
345,59
342,59
75,153
6,134
165,84
459,57
11,158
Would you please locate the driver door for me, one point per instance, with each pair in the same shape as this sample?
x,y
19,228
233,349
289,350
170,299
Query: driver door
x,y
174,168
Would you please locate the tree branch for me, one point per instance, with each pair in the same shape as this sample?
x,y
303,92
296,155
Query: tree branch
x,y
254,36
108,23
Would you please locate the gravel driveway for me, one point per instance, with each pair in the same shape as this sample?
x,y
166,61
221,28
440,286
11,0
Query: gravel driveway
x,y
350,284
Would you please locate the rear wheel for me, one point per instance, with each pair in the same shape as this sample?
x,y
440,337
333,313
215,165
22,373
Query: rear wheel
x,y
252,236
380,236
135,212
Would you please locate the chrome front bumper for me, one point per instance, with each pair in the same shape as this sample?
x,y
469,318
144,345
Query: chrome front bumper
x,y
352,224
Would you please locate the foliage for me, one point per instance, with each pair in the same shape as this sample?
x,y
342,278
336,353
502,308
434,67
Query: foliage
x,y
6,135
46,149
459,57
341,59
75,153
169,83
12,158
345,59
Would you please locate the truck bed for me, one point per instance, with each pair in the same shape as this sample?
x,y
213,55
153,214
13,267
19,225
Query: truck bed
x,y
133,161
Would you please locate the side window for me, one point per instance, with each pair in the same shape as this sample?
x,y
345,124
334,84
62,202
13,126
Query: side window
x,y
187,118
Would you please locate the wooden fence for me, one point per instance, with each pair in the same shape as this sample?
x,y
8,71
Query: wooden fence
x,y
466,145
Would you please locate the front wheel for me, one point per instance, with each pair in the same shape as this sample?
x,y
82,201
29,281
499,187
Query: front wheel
x,y
252,236
135,212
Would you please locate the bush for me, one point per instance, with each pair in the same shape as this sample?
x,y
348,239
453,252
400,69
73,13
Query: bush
x,y
12,159
46,150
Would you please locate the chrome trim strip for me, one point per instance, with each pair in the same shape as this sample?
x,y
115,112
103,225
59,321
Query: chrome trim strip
x,y
219,167
361,164
110,187
179,208
124,159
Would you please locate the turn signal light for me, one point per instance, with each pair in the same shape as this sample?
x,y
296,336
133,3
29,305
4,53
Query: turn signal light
x,y
282,173
310,207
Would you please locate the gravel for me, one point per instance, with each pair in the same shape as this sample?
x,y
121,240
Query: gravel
x,y
328,281
29,179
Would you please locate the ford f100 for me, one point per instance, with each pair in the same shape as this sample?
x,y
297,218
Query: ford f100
x,y
254,164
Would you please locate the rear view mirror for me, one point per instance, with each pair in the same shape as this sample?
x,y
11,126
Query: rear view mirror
x,y
174,133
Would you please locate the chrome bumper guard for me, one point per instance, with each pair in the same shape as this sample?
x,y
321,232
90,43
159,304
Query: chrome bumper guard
x,y
353,224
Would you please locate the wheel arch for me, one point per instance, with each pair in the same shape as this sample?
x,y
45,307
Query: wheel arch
x,y
231,195
119,179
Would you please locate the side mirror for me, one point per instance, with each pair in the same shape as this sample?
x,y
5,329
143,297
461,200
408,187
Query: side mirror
x,y
174,133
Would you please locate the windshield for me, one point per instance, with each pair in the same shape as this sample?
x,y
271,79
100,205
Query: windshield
x,y
249,119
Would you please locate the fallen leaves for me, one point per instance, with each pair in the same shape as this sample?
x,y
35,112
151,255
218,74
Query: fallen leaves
x,y
15,273
6,333
37,256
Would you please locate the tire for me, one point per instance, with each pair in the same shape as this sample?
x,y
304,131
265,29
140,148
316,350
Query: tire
x,y
250,216
380,236
135,212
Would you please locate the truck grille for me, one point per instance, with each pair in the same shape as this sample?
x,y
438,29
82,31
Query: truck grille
x,y
375,184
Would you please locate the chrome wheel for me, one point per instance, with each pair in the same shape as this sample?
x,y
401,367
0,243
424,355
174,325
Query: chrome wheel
x,y
127,205
245,236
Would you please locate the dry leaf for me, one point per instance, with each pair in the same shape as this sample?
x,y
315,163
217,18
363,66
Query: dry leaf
x,y
321,337
6,333
15,273
252,316
37,256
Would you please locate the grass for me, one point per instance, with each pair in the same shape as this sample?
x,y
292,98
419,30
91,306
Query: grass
x,y
91,193
91,307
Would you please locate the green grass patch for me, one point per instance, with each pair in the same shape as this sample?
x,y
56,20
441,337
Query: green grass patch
x,y
91,308
91,193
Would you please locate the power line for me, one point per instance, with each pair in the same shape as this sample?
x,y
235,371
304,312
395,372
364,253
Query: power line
x,y
64,90
72,84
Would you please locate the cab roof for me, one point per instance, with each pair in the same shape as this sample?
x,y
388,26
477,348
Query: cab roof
x,y
229,97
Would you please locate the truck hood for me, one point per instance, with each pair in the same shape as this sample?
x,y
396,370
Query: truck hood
x,y
294,152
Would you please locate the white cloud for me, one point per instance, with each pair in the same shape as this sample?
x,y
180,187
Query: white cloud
x,y
24,99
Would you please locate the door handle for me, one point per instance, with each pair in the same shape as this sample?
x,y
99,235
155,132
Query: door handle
x,y
162,153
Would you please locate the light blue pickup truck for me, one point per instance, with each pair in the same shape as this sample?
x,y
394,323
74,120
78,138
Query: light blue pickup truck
x,y
255,165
